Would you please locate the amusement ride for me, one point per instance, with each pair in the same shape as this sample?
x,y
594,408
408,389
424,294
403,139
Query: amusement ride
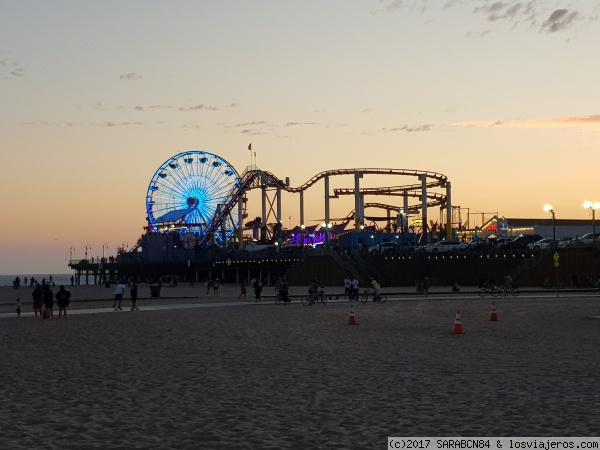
x,y
201,197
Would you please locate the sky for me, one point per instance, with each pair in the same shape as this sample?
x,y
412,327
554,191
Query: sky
x,y
499,96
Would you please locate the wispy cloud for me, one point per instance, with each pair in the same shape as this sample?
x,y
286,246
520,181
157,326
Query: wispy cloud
x,y
117,124
130,76
514,12
9,67
199,108
410,129
534,14
293,124
560,20
572,121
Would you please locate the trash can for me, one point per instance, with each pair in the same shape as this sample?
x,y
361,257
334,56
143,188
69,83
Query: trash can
x,y
155,291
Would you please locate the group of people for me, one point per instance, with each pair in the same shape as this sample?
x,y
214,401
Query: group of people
x,y
120,291
351,286
43,297
32,282
214,285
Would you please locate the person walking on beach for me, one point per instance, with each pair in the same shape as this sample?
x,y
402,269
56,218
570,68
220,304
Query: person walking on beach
x,y
348,287
38,300
243,290
134,296
63,298
216,288
354,291
48,299
426,285
119,290
257,290
18,307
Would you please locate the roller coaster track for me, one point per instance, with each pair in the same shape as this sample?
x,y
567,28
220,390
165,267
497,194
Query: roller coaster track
x,y
252,179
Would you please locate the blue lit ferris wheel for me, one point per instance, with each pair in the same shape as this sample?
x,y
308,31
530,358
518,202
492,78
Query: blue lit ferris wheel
x,y
188,192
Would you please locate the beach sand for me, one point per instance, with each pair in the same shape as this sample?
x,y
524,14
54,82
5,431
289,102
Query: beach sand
x,y
289,376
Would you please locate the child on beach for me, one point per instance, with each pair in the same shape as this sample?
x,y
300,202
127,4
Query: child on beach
x,y
18,307
243,291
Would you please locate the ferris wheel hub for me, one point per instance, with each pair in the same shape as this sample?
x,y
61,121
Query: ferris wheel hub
x,y
192,201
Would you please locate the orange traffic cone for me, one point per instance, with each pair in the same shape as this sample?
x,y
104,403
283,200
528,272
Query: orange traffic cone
x,y
493,316
457,324
352,317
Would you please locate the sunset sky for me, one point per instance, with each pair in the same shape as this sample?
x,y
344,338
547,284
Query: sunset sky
x,y
500,96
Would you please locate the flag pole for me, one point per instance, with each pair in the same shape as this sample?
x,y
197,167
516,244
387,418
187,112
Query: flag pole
x,y
250,148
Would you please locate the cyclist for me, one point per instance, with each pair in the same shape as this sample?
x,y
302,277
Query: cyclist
x,y
376,289
312,290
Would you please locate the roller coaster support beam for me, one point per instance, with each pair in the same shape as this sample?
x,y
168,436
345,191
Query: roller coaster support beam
x,y
279,222
359,212
263,235
240,225
406,207
327,214
302,209
423,209
448,212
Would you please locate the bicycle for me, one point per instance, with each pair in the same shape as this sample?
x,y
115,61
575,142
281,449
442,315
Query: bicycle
x,y
308,300
504,291
491,290
282,296
368,293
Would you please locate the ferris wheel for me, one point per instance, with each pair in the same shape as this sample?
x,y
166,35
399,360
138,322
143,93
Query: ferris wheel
x,y
189,191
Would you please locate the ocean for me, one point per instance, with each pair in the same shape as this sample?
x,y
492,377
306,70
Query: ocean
x,y
58,279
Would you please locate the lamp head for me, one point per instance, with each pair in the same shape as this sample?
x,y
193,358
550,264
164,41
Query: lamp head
x,y
548,208
592,206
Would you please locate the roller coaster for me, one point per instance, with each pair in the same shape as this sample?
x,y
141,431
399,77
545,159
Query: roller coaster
x,y
201,196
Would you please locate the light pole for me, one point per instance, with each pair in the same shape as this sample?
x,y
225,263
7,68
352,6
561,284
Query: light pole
x,y
548,208
87,247
592,207
104,246
71,250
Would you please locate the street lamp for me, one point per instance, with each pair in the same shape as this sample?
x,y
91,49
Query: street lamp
x,y
71,250
548,208
104,246
592,207
87,247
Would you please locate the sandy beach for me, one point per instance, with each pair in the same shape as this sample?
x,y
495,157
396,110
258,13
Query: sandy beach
x,y
226,374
